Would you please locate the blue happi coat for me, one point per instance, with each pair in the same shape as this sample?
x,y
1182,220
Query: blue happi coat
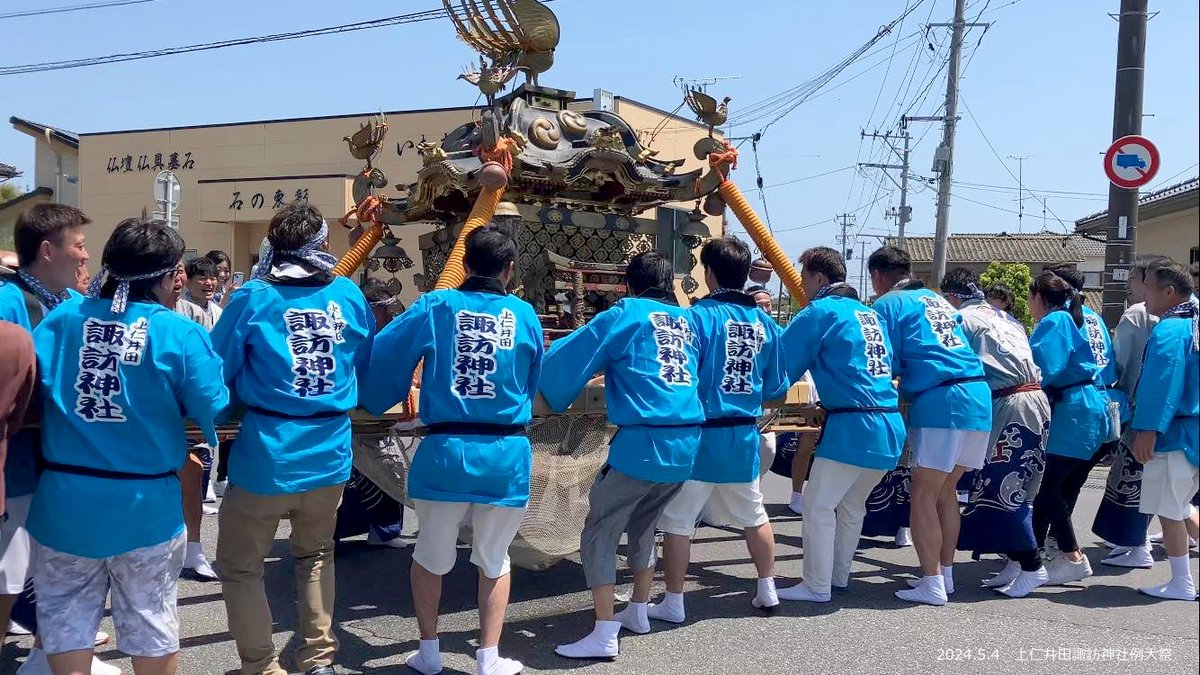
x,y
649,353
482,351
741,366
844,344
1168,393
115,391
1079,411
1100,342
20,470
293,348
929,350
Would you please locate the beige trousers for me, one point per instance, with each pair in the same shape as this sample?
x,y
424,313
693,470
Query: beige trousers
x,y
248,523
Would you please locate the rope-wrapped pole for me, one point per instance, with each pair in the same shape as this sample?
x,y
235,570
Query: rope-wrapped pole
x,y
763,240
358,253
454,272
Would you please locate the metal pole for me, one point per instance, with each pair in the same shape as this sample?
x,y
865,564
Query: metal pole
x,y
862,268
904,210
946,151
1121,245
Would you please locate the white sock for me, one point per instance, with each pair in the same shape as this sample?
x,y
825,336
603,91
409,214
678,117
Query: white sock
x,y
948,577
670,609
1025,583
427,660
803,592
766,597
488,662
634,618
1007,575
932,592
601,643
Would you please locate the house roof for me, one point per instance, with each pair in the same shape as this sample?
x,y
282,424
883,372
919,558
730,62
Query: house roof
x,y
4,206
1043,247
41,130
1188,190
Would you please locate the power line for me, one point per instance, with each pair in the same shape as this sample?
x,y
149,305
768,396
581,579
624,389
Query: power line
x,y
414,17
72,8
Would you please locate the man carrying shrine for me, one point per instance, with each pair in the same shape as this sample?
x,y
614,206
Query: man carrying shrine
x,y
294,339
844,344
119,373
949,414
650,354
741,367
482,351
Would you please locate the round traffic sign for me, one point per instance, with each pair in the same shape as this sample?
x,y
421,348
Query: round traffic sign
x,y
1131,162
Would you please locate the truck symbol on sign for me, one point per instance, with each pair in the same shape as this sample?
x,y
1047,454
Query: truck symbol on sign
x,y
1127,160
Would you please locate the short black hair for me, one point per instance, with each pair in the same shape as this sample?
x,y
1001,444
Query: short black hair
x,y
201,267
489,251
890,260
294,225
824,260
44,222
1056,291
1175,275
728,258
1068,273
649,270
845,291
1143,264
218,257
959,280
1002,293
139,246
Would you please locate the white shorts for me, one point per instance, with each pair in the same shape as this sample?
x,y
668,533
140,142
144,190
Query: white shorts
x,y
944,449
493,529
736,504
14,546
143,584
1168,483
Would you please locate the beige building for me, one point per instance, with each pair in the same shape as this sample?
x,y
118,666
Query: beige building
x,y
1168,222
233,176
55,176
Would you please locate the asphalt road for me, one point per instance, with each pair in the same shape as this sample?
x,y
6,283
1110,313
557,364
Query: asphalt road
x,y
1101,625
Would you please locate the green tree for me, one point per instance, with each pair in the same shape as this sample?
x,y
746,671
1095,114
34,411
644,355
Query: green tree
x,y
9,192
1017,277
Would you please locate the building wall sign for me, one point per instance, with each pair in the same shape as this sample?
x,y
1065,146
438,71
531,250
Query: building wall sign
x,y
158,161
257,199
271,201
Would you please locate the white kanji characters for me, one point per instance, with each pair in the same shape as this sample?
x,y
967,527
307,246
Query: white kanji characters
x,y
1095,336
106,344
311,335
942,321
671,333
876,351
477,339
743,342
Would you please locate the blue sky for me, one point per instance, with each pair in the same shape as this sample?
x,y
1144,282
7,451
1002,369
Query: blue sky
x,y
1039,85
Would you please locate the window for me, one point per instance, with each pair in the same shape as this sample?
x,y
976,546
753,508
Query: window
x,y
1092,280
1194,255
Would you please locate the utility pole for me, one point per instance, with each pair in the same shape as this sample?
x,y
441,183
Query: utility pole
x,y
943,159
1121,242
1021,189
862,269
846,220
904,215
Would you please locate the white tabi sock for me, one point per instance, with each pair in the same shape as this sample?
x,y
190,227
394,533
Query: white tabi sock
x,y
670,609
948,578
931,592
1005,576
767,597
427,660
601,643
804,593
633,618
488,662
1181,586
903,537
1026,582
797,503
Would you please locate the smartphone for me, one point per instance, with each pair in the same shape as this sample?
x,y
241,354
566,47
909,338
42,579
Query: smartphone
x,y
237,278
